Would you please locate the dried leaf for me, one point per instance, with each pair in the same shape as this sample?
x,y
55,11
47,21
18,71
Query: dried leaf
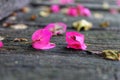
x,y
44,13
20,40
98,15
6,24
104,24
19,26
33,17
111,54
2,38
25,9
105,5
82,25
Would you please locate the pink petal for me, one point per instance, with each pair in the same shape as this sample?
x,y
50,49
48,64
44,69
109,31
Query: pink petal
x,y
72,12
1,44
75,40
55,8
41,39
118,2
42,34
83,11
66,1
113,11
86,12
49,46
57,28
41,46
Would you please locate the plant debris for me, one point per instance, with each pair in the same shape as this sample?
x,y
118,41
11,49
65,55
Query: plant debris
x,y
2,38
25,9
104,24
20,40
111,54
33,17
19,26
82,25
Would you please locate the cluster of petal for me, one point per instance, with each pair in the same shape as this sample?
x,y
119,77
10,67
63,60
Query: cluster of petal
x,y
72,11
55,8
41,39
1,44
75,40
57,28
66,1
79,10
118,2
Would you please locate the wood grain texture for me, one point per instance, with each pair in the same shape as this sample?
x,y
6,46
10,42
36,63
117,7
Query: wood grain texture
x,y
19,61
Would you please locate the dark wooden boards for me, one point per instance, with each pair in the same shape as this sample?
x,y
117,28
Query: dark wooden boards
x,y
19,61
8,6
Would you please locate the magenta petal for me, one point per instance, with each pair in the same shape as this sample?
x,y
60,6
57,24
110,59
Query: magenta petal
x,y
42,34
41,46
41,39
72,12
66,1
75,40
85,12
118,2
1,44
55,8
49,46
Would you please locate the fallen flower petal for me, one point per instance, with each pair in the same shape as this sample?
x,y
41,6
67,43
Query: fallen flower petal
x,y
66,1
82,11
86,12
57,28
75,40
72,12
1,44
118,2
55,8
41,39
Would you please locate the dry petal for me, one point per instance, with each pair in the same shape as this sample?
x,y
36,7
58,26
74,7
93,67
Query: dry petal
x,y
13,18
105,5
14,14
19,26
20,40
111,54
33,17
2,38
44,13
6,24
105,24
98,15
25,9
82,25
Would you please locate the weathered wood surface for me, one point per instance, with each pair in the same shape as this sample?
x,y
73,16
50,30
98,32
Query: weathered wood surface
x,y
8,6
18,61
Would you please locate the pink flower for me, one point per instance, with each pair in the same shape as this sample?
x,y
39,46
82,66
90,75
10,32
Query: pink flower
x,y
1,44
57,28
75,40
72,12
83,11
55,8
66,1
79,11
118,2
41,39
113,11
